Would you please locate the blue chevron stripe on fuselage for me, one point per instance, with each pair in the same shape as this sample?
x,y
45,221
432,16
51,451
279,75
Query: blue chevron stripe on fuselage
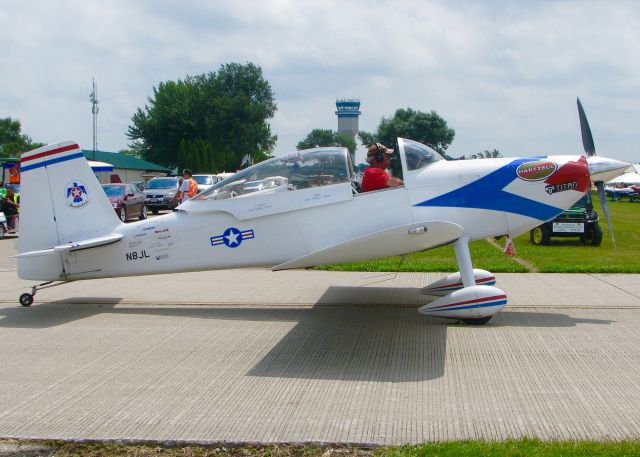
x,y
487,193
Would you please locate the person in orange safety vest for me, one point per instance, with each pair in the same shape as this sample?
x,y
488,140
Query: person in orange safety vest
x,y
189,187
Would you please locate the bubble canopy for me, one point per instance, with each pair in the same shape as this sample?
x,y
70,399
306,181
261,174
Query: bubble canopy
x,y
299,170
417,155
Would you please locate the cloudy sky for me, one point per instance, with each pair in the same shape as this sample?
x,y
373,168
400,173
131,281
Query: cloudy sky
x,y
504,75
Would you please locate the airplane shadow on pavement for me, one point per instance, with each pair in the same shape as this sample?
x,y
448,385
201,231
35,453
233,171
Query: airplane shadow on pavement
x,y
363,336
377,337
53,314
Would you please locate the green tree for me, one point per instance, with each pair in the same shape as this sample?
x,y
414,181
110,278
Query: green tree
x,y
185,155
426,128
367,138
228,109
197,155
327,137
494,154
12,141
486,154
205,153
131,153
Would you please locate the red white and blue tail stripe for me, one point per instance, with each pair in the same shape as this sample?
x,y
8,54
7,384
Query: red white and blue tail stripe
x,y
42,157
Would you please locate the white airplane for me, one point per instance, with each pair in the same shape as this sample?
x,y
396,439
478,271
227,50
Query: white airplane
x,y
300,210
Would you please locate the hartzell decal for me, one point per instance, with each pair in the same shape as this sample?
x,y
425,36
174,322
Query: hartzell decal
x,y
553,188
536,171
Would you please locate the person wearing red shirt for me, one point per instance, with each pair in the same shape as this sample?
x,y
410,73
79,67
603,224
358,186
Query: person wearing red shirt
x,y
375,177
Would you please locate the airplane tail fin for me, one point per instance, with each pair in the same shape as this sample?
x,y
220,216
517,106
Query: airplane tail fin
x,y
61,200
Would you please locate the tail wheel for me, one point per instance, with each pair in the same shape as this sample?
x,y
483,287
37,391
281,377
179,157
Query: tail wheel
x,y
123,214
26,299
143,213
3,231
592,235
154,210
540,235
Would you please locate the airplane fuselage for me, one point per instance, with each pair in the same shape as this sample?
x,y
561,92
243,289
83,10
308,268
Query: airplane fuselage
x,y
486,198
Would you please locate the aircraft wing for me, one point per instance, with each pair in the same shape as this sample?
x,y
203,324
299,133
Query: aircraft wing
x,y
395,241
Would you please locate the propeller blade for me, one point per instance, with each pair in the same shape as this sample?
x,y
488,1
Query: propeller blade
x,y
605,207
587,138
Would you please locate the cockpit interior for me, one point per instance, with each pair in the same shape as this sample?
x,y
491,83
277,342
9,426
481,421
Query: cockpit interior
x,y
311,168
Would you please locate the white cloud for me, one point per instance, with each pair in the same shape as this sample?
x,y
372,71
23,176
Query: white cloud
x,y
504,76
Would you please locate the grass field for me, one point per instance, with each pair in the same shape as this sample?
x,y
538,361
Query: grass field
x,y
568,255
562,255
521,447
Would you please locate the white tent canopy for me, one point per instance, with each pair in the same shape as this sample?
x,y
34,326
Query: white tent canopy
x,y
627,178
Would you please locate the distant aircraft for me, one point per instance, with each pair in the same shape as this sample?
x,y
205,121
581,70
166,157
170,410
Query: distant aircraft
x,y
301,210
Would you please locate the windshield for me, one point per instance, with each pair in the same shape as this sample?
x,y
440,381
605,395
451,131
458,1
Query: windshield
x,y
203,179
418,155
300,170
113,191
162,184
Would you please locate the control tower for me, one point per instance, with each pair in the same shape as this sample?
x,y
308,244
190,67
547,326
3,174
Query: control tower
x,y
348,112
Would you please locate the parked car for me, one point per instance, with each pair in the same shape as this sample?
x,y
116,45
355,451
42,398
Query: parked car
x,y
139,185
127,201
578,221
159,193
205,181
224,175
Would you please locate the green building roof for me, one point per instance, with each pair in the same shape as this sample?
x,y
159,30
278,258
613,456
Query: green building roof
x,y
124,161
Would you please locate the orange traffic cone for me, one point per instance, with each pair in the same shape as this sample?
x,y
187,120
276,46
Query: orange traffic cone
x,y
509,247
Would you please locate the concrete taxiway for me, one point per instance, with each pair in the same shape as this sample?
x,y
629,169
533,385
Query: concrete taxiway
x,y
312,356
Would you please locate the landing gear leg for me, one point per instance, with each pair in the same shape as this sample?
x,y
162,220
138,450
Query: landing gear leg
x,y
26,299
463,256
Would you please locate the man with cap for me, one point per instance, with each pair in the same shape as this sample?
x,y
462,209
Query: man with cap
x,y
375,177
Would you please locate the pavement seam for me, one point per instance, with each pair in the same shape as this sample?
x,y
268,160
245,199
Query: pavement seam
x,y
594,275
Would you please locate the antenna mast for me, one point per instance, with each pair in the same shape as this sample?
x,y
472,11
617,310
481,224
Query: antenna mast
x,y
93,98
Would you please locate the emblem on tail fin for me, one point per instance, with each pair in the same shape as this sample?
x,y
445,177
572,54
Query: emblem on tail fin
x,y
76,194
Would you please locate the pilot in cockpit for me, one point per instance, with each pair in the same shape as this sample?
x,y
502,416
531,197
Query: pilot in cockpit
x,y
376,177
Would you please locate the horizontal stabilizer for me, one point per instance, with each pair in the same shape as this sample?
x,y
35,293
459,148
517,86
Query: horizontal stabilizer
x,y
75,246
395,241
